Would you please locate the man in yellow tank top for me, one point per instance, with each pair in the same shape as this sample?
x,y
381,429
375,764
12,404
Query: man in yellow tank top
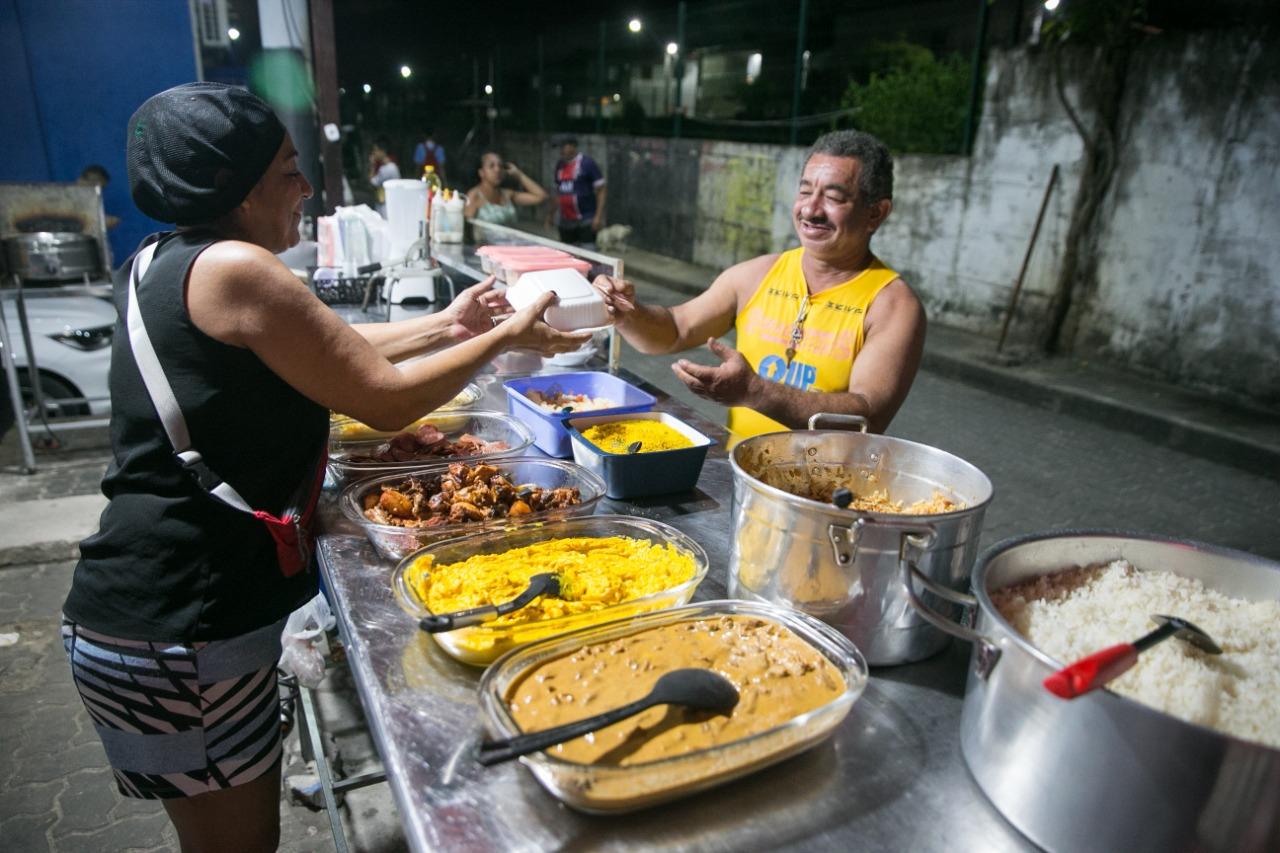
x,y
823,328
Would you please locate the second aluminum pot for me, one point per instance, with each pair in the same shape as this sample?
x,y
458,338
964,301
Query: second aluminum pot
x,y
1103,772
841,566
52,255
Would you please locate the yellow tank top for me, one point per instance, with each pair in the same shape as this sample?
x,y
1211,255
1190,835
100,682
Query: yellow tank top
x,y
832,333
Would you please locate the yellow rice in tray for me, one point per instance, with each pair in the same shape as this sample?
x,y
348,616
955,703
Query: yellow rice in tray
x,y
594,573
653,436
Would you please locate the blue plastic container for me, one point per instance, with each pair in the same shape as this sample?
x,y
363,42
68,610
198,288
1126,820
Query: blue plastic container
x,y
639,475
549,432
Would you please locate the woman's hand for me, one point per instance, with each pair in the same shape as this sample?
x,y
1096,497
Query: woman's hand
x,y
474,310
619,296
525,329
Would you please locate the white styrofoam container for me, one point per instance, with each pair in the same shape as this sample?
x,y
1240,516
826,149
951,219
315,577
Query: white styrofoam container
x,y
580,305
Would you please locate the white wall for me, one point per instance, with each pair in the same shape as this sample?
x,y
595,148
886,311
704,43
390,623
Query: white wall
x,y
1188,241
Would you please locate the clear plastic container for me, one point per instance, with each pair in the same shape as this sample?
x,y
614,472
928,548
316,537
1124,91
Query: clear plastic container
x,y
344,428
481,645
638,475
549,432
488,426
604,789
395,542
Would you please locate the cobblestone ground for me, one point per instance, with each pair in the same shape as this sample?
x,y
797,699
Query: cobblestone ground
x,y
56,790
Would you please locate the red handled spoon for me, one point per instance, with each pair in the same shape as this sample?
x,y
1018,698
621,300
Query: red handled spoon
x,y
1099,668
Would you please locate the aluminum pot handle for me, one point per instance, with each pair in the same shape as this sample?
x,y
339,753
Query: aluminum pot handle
x,y
856,421
988,653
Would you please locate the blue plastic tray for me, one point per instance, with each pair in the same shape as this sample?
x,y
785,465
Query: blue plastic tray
x,y
549,432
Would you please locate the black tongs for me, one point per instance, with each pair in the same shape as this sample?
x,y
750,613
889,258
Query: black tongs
x,y
543,584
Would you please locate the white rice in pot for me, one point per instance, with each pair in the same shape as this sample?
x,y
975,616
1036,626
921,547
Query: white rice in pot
x,y
1072,614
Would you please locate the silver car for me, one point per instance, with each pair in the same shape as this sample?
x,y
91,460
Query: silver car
x,y
71,336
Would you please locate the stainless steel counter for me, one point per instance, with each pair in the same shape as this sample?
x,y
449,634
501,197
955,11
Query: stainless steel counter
x,y
891,778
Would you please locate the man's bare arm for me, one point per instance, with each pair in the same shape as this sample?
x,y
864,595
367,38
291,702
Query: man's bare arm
x,y
881,375
879,381
655,329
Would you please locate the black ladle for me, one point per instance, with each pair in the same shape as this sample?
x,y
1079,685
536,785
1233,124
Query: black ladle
x,y
842,497
699,689
633,447
543,584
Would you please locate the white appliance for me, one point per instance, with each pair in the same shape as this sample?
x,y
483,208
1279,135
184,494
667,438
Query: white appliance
x,y
411,284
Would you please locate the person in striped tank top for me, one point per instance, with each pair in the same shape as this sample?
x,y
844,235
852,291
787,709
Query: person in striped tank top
x,y
826,327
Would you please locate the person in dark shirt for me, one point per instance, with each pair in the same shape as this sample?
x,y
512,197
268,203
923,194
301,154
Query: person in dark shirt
x,y
95,175
580,192
172,624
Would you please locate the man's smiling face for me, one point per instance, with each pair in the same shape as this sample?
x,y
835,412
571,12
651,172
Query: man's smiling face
x,y
830,216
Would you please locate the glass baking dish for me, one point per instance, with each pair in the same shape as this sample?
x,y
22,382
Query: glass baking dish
x,y
481,645
489,426
344,428
395,543
606,789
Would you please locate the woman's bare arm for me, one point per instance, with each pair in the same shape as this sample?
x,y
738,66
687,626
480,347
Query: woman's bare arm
x,y
242,295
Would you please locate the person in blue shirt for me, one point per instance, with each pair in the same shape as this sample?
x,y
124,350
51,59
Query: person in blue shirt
x,y
428,152
580,192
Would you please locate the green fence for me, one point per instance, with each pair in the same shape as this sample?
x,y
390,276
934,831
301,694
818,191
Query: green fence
x,y
754,70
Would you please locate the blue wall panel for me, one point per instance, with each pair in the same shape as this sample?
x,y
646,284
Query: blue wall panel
x,y
22,154
96,62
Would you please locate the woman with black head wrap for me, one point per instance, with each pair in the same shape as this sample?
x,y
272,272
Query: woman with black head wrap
x,y
174,617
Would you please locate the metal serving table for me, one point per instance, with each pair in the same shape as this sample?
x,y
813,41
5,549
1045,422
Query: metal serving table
x,y
891,777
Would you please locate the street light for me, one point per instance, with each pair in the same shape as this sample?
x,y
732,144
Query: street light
x,y
405,71
1050,5
367,89
233,33
634,25
488,88
672,48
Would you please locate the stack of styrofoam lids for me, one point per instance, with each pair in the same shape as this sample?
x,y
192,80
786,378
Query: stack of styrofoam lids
x,y
516,268
580,306
493,257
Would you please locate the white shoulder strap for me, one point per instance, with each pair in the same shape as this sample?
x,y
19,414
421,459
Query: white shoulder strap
x,y
158,388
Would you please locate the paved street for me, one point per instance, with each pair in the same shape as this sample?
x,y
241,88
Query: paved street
x,y
1049,470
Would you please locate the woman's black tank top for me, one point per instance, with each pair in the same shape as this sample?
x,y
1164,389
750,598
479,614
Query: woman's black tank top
x,y
170,562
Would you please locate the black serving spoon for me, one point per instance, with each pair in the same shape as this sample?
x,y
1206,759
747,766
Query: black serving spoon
x,y
543,584
700,689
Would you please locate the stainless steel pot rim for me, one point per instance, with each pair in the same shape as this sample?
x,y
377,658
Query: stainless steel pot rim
x,y
49,237
1050,664
808,503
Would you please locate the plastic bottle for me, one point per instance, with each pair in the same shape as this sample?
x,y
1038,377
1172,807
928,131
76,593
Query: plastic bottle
x,y
434,187
431,178
438,217
454,217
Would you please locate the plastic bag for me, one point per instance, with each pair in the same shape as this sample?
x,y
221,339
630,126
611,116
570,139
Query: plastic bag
x,y
303,642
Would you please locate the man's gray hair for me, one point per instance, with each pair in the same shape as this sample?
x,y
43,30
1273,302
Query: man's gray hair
x,y
876,179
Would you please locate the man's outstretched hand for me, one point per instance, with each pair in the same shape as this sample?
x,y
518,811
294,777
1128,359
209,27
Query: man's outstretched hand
x,y
729,383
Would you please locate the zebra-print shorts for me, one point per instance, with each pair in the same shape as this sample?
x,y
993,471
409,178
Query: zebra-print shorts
x,y
181,719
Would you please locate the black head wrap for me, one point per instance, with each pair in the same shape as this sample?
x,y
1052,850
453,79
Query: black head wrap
x,y
195,151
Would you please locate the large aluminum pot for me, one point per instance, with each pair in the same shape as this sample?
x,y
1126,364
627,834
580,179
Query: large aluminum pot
x,y
51,255
842,566
1102,772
